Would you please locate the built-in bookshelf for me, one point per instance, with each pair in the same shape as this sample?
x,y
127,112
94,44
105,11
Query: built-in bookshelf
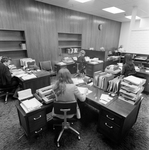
x,y
69,43
13,43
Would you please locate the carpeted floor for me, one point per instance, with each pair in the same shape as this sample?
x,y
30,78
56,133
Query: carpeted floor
x,y
10,131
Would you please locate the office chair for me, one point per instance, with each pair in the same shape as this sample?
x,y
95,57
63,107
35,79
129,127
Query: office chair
x,y
6,92
80,69
46,65
65,108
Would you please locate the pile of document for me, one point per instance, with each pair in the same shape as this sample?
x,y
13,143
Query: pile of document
x,y
24,61
131,89
101,80
114,85
30,105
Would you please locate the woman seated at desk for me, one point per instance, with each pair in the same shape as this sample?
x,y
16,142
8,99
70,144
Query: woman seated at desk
x,y
67,91
129,67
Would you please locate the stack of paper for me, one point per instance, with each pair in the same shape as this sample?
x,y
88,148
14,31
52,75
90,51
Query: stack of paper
x,y
24,94
131,89
135,80
31,105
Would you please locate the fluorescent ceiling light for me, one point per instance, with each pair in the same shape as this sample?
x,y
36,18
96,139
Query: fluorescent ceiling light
x,y
82,1
113,10
129,17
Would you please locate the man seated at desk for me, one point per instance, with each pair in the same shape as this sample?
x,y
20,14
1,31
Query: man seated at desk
x,y
6,80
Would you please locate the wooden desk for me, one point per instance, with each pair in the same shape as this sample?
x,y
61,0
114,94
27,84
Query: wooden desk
x,y
72,67
42,80
91,68
116,117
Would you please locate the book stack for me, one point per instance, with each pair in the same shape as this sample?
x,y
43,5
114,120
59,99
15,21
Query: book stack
x,y
131,89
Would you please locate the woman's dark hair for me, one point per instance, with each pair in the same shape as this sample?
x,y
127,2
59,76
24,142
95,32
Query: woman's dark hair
x,y
4,59
128,59
63,78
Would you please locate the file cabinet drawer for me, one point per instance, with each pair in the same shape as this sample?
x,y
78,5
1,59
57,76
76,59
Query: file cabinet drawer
x,y
37,120
112,117
38,131
109,128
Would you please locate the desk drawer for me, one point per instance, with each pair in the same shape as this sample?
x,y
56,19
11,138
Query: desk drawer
x,y
38,131
112,117
37,120
109,129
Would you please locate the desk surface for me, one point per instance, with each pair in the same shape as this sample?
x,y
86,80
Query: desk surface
x,y
116,105
42,79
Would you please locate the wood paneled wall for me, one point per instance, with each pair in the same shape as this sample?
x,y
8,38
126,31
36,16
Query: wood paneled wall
x,y
42,22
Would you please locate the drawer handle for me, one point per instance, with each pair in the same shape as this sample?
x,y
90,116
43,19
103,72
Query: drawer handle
x,y
37,118
38,131
108,126
109,117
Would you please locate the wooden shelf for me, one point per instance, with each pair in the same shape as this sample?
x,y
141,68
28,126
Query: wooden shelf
x,y
66,40
69,40
12,40
70,47
12,50
12,43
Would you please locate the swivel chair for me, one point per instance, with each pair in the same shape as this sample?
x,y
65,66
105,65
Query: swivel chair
x,y
6,91
80,68
46,65
64,109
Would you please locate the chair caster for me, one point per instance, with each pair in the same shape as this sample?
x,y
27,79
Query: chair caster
x,y
58,145
79,138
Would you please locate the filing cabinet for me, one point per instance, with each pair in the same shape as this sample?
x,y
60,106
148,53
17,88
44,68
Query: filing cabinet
x,y
115,121
91,68
33,122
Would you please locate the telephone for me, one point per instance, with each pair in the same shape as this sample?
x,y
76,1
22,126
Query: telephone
x,y
46,94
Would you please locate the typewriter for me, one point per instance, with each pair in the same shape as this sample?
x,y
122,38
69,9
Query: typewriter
x,y
46,94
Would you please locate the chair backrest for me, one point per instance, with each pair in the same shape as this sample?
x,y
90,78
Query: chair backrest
x,y
69,107
45,65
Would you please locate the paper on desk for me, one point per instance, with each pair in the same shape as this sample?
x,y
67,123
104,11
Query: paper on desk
x,y
77,81
84,90
24,94
147,71
29,76
105,98
20,75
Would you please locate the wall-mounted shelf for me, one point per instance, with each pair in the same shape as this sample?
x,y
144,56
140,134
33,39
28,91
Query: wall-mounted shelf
x,y
69,43
13,43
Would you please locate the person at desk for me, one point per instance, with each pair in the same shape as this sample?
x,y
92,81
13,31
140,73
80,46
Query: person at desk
x,y
121,49
6,80
66,90
81,62
129,67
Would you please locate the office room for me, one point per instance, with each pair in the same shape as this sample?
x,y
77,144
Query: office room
x,y
35,31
